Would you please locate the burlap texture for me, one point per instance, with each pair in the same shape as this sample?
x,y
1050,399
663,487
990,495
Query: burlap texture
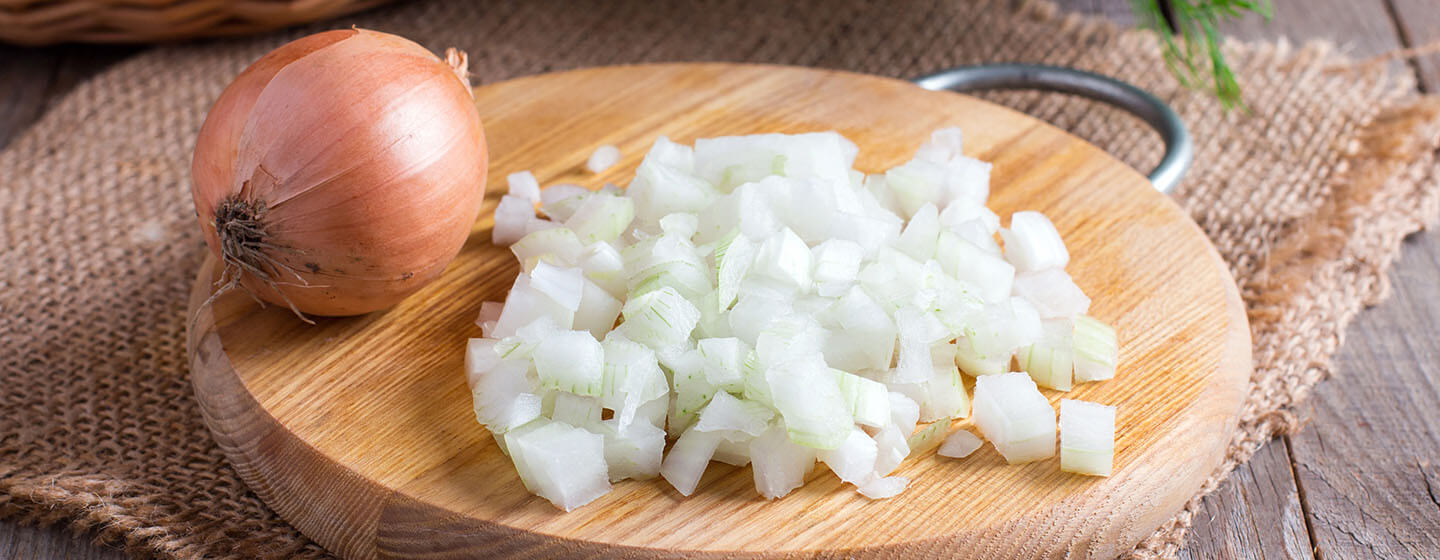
x,y
1306,197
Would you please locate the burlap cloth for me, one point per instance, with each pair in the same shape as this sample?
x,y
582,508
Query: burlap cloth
x,y
1307,198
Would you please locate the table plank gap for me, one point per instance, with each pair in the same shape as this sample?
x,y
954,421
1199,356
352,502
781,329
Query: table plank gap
x,y
1256,513
24,80
1366,459
1419,23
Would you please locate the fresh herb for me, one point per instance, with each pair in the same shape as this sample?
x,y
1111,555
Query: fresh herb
x,y
1189,29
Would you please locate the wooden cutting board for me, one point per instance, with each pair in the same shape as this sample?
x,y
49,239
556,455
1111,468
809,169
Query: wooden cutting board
x,y
359,431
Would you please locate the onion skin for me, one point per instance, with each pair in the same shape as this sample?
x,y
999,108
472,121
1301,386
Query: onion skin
x,y
340,173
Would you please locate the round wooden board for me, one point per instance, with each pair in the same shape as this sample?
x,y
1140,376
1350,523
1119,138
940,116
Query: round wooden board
x,y
359,431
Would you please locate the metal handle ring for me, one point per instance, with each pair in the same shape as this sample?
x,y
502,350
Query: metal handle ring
x,y
1179,149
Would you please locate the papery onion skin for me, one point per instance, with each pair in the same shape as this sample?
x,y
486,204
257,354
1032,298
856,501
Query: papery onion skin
x,y
346,169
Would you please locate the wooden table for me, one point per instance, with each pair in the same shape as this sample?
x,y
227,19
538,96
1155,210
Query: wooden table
x,y
1361,481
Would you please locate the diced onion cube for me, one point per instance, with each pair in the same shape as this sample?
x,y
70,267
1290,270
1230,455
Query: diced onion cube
x,y
597,311
601,217
1053,293
723,359
686,461
480,359
603,158
659,319
784,257
525,305
733,257
562,285
926,439
920,234
946,397
1014,416
576,410
960,445
837,266
732,452
806,395
634,452
561,463
504,397
1032,243
510,218
891,448
854,459
881,488
1050,361
571,361
524,186
1096,350
869,400
558,246
779,465
1087,437
728,415
992,277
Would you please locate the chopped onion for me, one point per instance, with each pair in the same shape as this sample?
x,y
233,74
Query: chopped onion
x,y
510,218
854,459
603,158
776,307
686,461
779,464
1053,293
1032,243
723,360
881,488
1013,415
729,415
524,186
960,445
633,452
1050,361
571,361
733,452
560,463
928,438
1096,350
1087,437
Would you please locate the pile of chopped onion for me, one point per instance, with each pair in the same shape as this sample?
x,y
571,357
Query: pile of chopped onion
x,y
777,308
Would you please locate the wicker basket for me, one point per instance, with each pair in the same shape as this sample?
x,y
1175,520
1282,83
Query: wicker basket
x,y
41,22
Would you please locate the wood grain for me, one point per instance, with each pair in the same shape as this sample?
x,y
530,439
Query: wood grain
x,y
359,431
1367,462
51,544
1255,513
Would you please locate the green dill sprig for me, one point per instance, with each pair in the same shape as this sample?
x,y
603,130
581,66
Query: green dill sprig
x,y
1191,36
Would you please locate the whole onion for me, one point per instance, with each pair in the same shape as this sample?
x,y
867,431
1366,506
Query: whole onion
x,y
341,172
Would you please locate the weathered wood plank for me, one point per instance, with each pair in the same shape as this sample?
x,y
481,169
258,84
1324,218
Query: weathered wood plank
x,y
1256,513
1419,24
24,82
31,79
30,543
1361,27
1369,462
